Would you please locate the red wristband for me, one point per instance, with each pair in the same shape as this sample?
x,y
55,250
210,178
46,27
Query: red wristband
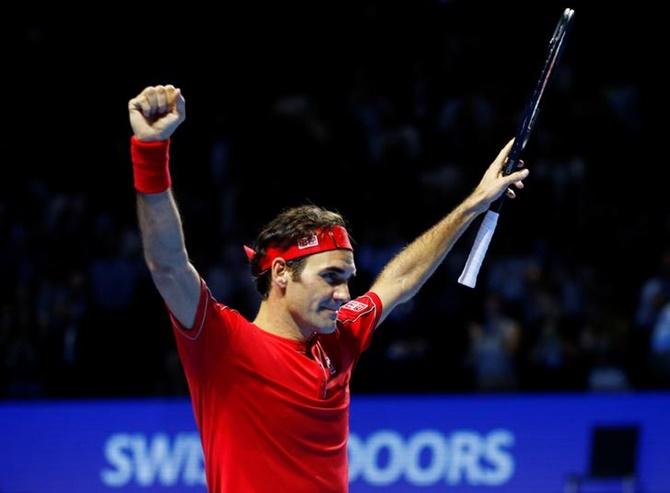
x,y
151,160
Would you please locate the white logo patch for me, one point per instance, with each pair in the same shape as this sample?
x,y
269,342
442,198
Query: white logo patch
x,y
355,306
308,241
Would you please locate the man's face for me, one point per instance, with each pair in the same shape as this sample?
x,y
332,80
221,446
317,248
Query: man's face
x,y
321,289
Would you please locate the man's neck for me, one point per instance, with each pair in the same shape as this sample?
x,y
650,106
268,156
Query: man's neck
x,y
273,317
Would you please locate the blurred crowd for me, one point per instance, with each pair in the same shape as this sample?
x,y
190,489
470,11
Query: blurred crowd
x,y
573,296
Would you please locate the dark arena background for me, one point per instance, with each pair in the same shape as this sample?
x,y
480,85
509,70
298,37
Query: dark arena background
x,y
551,375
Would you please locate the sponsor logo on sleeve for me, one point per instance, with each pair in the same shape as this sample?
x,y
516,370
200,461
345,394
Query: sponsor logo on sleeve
x,y
355,306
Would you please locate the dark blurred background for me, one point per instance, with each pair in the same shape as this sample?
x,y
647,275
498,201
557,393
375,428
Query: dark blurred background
x,y
387,113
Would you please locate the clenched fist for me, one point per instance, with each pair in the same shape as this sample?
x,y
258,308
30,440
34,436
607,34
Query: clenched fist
x,y
156,112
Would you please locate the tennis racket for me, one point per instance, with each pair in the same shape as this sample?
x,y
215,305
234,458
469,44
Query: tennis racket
x,y
478,252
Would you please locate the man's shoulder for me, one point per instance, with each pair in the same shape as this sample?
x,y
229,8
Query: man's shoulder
x,y
223,311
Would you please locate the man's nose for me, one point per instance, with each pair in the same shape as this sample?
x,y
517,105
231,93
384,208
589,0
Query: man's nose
x,y
342,293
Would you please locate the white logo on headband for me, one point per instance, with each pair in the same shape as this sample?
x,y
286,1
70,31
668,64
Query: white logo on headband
x,y
308,242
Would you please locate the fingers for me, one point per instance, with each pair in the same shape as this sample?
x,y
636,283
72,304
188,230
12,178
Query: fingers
x,y
516,180
180,104
170,94
517,176
141,104
494,181
161,100
502,155
134,104
518,184
157,101
145,102
152,100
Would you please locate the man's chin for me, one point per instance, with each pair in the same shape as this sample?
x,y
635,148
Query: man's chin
x,y
328,328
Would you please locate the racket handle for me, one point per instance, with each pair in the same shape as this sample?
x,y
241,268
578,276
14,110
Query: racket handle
x,y
469,275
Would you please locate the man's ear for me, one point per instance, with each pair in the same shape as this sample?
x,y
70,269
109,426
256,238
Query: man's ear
x,y
280,273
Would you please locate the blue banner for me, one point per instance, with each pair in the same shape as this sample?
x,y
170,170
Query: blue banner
x,y
499,444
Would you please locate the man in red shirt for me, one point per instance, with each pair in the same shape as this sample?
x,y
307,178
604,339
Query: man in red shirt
x,y
271,397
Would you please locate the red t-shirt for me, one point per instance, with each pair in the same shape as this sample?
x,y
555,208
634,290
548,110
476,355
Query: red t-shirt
x,y
273,413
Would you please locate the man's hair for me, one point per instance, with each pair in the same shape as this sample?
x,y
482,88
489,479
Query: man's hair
x,y
285,230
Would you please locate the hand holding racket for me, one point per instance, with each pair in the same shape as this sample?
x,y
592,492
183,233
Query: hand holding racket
x,y
473,264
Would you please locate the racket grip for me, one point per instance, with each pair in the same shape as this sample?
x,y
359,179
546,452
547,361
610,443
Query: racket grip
x,y
473,264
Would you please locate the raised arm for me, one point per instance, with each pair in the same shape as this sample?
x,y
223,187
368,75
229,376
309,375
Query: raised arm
x,y
404,275
154,115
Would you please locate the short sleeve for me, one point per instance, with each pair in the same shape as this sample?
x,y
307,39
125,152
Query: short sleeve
x,y
206,302
358,319
208,340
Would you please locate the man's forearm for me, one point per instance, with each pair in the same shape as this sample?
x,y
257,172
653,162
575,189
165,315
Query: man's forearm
x,y
161,229
410,269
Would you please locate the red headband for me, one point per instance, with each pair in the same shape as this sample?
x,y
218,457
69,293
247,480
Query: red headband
x,y
322,240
